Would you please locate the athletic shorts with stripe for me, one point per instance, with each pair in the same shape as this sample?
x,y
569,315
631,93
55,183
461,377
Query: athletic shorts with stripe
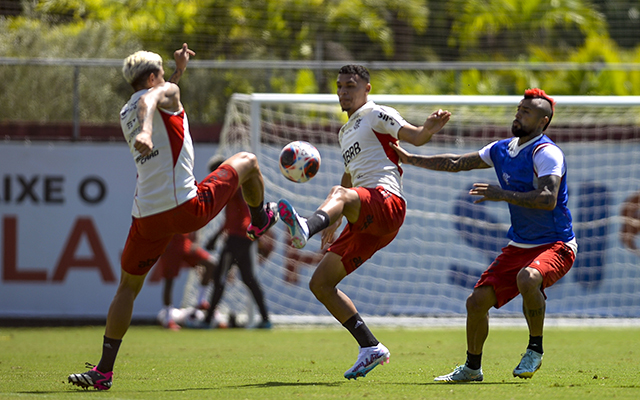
x,y
381,216
149,236
553,261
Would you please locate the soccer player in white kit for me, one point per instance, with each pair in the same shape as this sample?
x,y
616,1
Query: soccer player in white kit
x,y
167,199
369,196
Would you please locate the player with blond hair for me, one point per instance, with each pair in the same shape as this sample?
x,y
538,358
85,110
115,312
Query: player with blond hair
x,y
167,199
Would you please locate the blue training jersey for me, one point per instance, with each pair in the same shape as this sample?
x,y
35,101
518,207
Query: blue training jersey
x,y
529,225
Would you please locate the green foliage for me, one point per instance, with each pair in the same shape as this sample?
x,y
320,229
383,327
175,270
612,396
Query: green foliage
x,y
413,82
597,49
381,30
155,23
372,18
306,82
517,24
50,88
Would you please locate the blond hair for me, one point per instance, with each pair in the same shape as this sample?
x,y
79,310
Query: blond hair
x,y
140,64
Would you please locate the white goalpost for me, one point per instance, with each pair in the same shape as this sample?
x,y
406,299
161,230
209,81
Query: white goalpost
x,y
446,240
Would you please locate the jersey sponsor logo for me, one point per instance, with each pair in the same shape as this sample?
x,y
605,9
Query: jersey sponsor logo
x,y
386,118
349,154
134,133
143,160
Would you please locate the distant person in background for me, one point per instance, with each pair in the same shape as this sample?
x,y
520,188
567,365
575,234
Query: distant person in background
x,y
167,199
532,172
630,227
237,250
183,251
370,196
296,258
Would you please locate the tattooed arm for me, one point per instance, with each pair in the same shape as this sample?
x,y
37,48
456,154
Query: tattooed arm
x,y
182,59
442,162
165,96
544,197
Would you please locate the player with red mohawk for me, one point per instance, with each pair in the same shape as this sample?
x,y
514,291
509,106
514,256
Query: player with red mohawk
x,y
532,173
536,93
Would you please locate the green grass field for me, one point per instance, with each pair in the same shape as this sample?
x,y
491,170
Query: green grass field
x,y
289,363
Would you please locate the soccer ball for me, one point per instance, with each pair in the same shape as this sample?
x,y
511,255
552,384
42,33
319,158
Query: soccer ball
x,y
299,161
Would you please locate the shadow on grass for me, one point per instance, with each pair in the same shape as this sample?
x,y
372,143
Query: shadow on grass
x,y
72,391
469,383
336,384
284,384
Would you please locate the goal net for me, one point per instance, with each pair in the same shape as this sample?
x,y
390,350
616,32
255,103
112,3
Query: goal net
x,y
447,241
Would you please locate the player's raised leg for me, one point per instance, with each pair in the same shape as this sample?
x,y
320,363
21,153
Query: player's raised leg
x,y
263,216
298,227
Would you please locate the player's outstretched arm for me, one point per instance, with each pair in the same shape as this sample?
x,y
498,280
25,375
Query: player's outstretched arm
x,y
419,135
182,59
441,162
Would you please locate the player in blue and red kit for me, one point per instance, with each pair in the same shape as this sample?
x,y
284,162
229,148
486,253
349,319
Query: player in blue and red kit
x,y
532,173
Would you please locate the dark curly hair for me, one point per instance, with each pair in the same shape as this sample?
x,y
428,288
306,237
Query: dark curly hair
x,y
354,69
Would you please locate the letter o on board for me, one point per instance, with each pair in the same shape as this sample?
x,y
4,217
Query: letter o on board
x,y
92,190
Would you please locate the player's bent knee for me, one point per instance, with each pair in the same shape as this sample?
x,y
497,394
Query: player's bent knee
x,y
319,289
244,163
313,286
528,279
343,195
337,191
480,301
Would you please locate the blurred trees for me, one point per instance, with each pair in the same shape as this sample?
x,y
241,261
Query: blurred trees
x,y
544,31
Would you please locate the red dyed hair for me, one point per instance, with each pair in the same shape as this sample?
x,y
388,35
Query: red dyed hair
x,y
536,93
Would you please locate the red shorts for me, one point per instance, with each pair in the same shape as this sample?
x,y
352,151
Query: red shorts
x,y
180,253
553,261
149,236
381,216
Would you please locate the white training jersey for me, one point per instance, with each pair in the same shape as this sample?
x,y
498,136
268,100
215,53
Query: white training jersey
x,y
165,177
364,142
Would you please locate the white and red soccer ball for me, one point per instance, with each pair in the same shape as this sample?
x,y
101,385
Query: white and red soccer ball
x,y
299,161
